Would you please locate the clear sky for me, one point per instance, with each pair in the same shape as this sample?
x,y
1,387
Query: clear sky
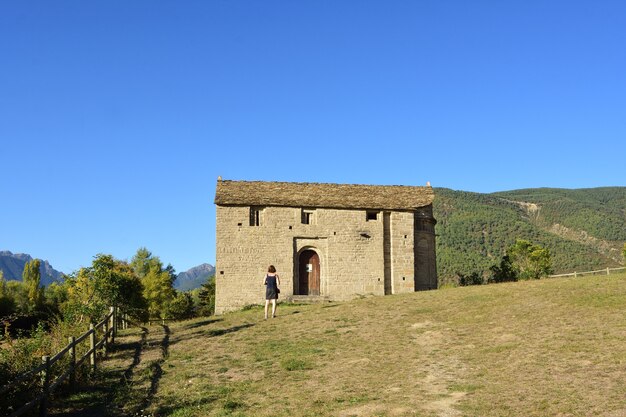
x,y
116,117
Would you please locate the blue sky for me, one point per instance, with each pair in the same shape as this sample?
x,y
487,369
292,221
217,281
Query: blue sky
x,y
116,117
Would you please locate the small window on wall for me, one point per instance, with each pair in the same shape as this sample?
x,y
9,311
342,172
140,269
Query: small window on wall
x,y
308,216
371,216
255,216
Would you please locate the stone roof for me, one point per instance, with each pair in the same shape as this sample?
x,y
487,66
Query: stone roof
x,y
344,196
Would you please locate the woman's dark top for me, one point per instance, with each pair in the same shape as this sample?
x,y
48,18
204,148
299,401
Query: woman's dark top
x,y
271,289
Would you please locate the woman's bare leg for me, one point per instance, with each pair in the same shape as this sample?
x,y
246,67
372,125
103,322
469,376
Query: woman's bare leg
x,y
267,303
273,308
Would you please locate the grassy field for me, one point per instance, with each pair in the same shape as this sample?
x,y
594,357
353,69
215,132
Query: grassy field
x,y
543,348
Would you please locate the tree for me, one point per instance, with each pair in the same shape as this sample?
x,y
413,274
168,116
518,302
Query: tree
x,y
505,272
3,285
158,282
207,297
107,282
141,262
31,277
180,307
55,295
7,305
16,291
157,290
529,260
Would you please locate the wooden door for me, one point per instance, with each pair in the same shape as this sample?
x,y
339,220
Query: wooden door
x,y
309,273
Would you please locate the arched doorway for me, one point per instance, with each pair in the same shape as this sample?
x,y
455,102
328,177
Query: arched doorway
x,y
308,273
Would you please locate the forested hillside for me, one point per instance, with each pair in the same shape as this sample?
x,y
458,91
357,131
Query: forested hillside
x,y
584,229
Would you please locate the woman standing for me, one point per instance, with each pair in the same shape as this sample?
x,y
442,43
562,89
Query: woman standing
x,y
272,281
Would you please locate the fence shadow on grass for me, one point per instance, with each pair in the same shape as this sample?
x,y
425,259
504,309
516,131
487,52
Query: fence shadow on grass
x,y
97,396
200,323
156,370
209,333
221,332
138,348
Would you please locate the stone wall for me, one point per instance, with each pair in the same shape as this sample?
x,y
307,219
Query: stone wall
x,y
351,250
425,256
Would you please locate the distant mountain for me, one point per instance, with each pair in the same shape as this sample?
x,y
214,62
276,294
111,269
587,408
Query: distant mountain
x,y
12,264
584,229
194,277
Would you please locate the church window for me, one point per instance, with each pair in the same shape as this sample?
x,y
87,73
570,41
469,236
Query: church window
x,y
255,216
371,216
308,216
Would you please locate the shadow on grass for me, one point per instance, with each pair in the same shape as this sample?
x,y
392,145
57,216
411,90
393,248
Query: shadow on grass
x,y
86,401
137,346
155,369
211,333
96,396
220,332
200,323
175,409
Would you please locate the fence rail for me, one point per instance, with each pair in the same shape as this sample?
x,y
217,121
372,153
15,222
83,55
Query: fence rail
x,y
109,326
606,271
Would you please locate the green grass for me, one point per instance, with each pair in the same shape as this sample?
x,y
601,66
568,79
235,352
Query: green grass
x,y
538,348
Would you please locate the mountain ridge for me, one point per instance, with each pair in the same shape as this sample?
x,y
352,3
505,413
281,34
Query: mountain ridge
x,y
194,277
12,264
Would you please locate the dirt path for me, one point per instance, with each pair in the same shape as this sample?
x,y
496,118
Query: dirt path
x,y
126,381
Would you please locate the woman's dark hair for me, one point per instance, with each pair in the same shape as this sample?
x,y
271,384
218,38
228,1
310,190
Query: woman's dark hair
x,y
271,269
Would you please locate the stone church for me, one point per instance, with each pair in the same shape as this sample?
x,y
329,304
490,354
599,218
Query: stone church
x,y
327,241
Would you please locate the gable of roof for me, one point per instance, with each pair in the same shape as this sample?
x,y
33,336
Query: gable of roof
x,y
344,196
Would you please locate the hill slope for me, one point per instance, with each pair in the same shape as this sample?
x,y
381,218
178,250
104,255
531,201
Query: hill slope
x,y
584,229
539,348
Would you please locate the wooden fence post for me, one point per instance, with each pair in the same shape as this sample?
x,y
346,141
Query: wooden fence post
x,y
113,323
105,344
574,274
607,270
92,346
72,341
45,382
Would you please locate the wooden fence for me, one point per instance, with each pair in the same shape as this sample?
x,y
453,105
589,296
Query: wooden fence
x,y
159,320
575,274
48,385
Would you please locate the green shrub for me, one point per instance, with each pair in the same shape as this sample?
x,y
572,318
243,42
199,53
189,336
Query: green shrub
x,y
475,278
181,307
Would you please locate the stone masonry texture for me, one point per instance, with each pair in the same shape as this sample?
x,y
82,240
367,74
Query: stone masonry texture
x,y
357,252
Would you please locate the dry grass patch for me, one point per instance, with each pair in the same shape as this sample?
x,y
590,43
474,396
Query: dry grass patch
x,y
552,347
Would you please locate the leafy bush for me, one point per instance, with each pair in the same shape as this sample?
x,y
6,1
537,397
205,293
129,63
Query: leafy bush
x,y
24,353
181,307
503,272
529,260
206,296
475,278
